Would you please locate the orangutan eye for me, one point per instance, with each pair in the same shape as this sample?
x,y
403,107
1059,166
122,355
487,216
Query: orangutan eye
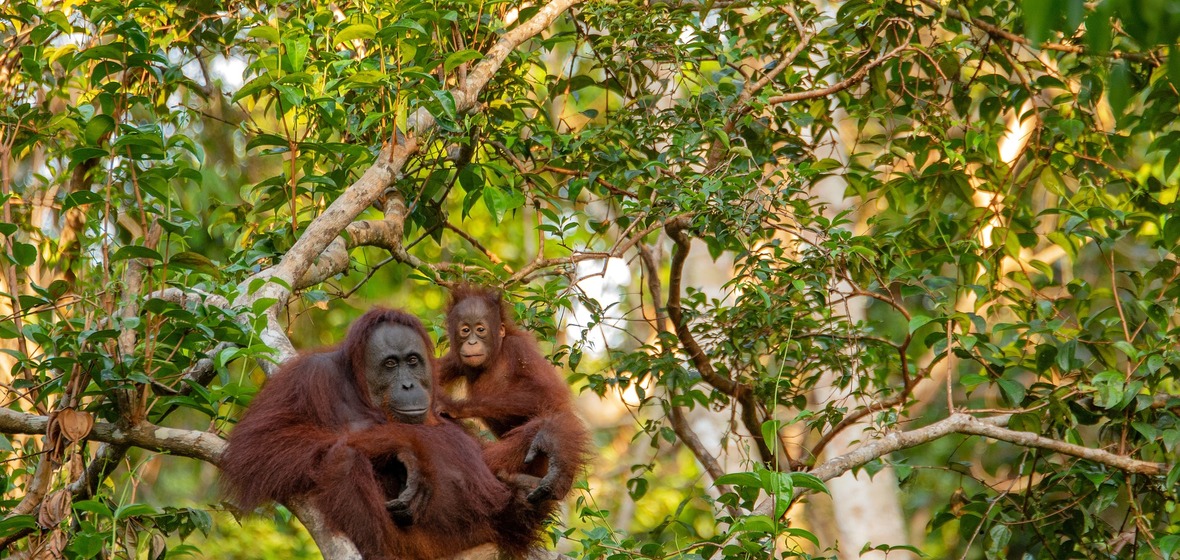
x,y
481,329
464,331
389,363
412,360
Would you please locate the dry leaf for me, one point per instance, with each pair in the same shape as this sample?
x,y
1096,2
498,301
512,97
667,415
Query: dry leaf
x,y
55,508
53,438
53,545
75,424
75,466
159,547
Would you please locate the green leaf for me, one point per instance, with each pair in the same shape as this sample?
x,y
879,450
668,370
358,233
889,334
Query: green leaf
x,y
1174,64
457,58
12,525
354,32
809,481
96,507
254,86
362,79
637,487
770,430
97,127
1072,128
1039,16
261,305
776,483
447,100
1026,422
195,262
80,198
1172,226
919,321
1173,477
264,32
133,510
1013,390
1110,386
24,254
1168,545
57,288
1119,92
297,52
406,25
801,534
1098,30
136,252
501,202
759,524
746,479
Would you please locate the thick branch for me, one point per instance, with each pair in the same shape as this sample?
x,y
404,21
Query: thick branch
x,y
676,412
993,428
103,464
332,545
961,423
185,297
465,95
324,229
365,233
185,443
989,427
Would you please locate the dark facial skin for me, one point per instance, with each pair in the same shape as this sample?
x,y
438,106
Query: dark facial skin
x,y
398,373
476,331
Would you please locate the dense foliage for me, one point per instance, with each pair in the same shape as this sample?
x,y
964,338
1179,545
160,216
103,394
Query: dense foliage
x,y
939,235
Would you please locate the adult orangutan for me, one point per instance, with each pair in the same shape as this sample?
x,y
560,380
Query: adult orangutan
x,y
514,391
353,429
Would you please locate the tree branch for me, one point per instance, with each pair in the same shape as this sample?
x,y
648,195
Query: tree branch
x,y
387,234
741,392
676,412
997,32
842,85
185,297
599,180
205,446
392,158
300,262
992,427
676,312
783,62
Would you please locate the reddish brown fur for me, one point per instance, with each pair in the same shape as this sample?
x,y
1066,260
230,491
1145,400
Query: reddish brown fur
x,y
520,397
313,431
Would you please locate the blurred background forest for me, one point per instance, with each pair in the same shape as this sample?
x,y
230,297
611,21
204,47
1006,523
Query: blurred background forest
x,y
923,252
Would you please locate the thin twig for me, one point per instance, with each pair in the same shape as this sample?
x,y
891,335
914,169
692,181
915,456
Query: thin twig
x,y
1151,57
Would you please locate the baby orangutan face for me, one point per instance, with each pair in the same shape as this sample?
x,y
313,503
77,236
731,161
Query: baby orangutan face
x,y
475,331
